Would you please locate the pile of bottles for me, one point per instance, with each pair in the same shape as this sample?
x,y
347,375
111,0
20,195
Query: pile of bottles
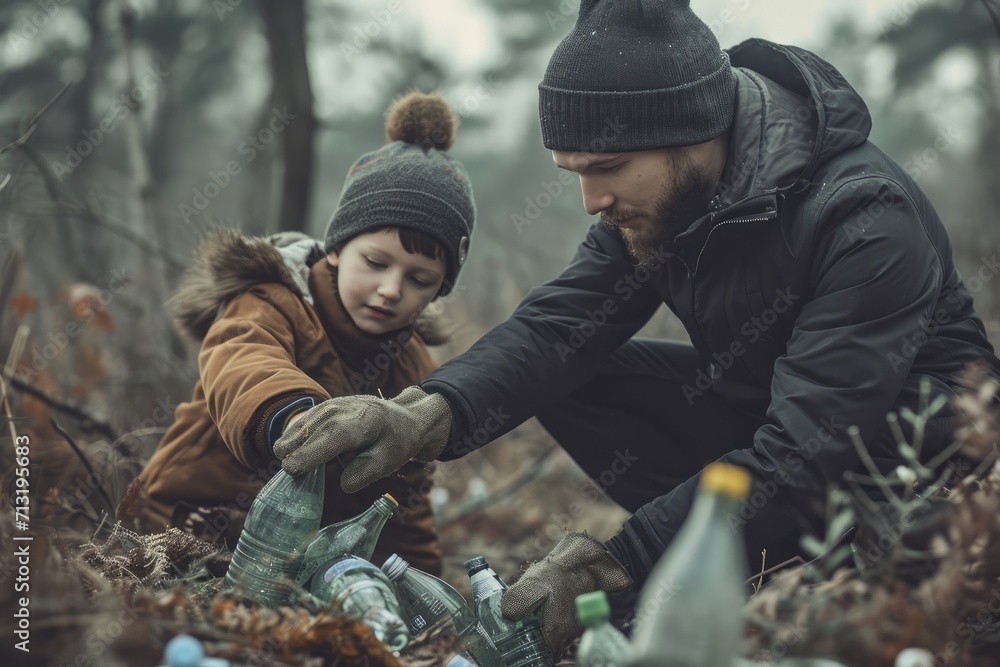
x,y
282,556
689,612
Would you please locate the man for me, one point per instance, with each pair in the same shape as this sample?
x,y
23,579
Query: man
x,y
813,275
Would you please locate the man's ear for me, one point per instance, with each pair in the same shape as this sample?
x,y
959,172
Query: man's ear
x,y
332,258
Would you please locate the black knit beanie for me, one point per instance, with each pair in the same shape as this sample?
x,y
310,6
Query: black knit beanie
x,y
636,75
412,183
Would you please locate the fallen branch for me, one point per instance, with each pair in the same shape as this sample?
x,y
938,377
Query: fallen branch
x,y
33,123
87,422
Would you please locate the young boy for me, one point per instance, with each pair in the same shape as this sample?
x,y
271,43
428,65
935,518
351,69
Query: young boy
x,y
284,326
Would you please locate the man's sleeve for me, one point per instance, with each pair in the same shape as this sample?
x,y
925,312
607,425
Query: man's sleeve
x,y
549,345
842,367
248,371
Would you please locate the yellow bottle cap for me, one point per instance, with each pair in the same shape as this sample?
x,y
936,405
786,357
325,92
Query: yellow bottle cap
x,y
726,479
390,499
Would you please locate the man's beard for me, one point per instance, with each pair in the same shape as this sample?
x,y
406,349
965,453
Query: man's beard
x,y
679,203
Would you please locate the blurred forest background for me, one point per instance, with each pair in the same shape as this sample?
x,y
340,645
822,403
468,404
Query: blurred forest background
x,y
185,116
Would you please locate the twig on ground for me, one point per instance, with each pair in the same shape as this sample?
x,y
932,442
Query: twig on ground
x,y
87,422
86,462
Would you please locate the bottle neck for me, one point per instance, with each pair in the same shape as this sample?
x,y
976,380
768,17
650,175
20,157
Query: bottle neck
x,y
595,622
720,507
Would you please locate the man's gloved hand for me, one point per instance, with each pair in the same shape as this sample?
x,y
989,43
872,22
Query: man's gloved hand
x,y
385,433
578,564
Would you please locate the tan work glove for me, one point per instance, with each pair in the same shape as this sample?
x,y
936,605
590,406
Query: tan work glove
x,y
385,433
578,564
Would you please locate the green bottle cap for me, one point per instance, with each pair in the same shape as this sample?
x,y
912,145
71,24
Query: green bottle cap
x,y
592,607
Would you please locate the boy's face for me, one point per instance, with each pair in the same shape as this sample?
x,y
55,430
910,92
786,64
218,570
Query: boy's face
x,y
384,287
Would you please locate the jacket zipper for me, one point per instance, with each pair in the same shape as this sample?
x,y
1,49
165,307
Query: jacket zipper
x,y
691,274
755,218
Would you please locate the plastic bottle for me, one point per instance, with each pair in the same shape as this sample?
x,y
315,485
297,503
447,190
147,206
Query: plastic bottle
x,y
364,593
186,651
520,642
356,536
462,660
281,522
602,644
690,610
431,605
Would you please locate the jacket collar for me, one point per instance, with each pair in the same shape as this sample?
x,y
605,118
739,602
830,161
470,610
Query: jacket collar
x,y
771,146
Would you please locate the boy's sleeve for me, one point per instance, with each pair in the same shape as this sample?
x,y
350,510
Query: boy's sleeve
x,y
252,383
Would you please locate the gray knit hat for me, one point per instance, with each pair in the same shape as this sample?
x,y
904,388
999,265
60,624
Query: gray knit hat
x,y
637,75
411,182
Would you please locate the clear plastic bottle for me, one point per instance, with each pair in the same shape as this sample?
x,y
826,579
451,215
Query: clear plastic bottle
x,y
602,644
431,605
356,536
520,642
282,521
690,610
364,593
462,660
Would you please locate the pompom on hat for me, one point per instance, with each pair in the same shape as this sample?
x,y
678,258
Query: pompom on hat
x,y
411,182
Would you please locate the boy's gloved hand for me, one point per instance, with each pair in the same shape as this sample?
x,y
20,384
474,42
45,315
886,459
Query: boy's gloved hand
x,y
385,433
578,564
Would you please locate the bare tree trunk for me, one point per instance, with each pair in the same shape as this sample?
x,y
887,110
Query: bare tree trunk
x,y
284,25
84,91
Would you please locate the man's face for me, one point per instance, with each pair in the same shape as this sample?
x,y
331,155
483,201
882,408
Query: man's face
x,y
651,196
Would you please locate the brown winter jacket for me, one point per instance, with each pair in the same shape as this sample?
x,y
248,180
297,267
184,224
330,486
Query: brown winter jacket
x,y
262,347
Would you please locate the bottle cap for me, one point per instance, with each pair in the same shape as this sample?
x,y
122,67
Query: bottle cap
x,y
392,500
476,564
394,567
726,479
592,607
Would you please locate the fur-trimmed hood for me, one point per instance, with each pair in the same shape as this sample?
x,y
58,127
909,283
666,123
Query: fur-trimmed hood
x,y
228,264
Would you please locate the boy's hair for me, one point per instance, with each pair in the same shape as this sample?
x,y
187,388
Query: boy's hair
x,y
417,242
413,241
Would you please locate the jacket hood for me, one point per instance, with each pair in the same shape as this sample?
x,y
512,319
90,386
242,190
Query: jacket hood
x,y
226,265
787,131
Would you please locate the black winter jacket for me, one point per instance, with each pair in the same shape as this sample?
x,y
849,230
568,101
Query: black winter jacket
x,y
820,291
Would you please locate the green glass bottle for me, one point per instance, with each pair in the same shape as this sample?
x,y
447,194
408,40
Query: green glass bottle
x,y
283,519
520,642
602,644
356,536
431,605
690,610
